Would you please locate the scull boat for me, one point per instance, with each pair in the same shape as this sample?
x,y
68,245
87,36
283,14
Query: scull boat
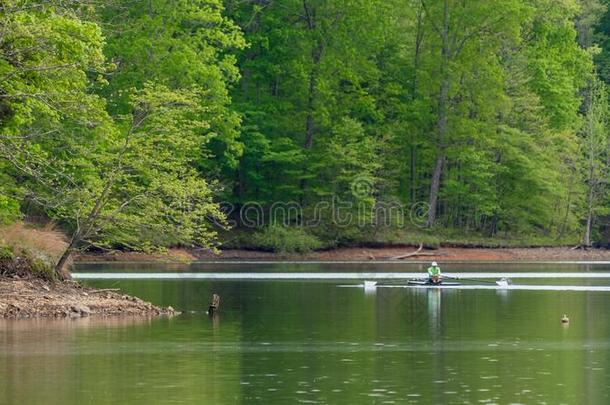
x,y
503,283
429,284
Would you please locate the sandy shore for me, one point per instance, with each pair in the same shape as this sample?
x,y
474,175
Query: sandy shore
x,y
372,254
32,297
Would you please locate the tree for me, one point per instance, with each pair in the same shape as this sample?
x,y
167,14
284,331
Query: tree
x,y
48,58
310,68
180,44
594,144
127,175
147,192
458,27
484,109
587,21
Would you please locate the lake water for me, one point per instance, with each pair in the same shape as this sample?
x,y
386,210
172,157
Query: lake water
x,y
314,341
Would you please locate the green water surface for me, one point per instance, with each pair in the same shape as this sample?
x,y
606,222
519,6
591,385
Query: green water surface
x,y
287,342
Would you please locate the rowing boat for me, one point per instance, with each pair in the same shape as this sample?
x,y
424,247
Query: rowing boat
x,y
425,283
429,284
502,285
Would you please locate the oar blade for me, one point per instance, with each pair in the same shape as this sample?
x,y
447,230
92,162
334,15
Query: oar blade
x,y
504,282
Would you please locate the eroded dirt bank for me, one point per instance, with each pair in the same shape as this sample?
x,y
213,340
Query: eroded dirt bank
x,y
372,254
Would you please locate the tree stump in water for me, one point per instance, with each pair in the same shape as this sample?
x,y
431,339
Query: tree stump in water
x,y
214,304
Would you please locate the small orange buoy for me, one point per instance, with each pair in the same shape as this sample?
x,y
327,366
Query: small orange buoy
x,y
565,319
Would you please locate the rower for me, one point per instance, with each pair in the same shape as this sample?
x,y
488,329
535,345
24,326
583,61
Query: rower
x,y
434,274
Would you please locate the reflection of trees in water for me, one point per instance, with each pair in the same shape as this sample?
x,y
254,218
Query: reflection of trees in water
x,y
119,360
37,352
33,327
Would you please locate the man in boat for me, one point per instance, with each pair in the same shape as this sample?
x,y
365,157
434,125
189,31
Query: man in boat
x,y
434,274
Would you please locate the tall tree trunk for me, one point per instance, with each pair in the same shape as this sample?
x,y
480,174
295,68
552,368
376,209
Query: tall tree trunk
x,y
587,238
443,100
592,157
590,201
316,57
413,180
61,266
84,230
309,121
434,189
413,147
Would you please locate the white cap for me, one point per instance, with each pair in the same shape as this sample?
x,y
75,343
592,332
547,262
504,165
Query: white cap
x,y
434,264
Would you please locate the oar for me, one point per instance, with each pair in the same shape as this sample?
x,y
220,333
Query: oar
x,y
502,283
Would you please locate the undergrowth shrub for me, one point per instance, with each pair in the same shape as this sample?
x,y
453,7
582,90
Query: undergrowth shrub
x,y
282,239
27,251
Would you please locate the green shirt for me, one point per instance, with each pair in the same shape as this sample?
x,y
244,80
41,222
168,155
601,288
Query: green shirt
x,y
434,271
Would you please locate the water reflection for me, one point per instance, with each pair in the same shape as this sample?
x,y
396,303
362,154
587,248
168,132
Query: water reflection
x,y
289,342
370,287
434,296
214,320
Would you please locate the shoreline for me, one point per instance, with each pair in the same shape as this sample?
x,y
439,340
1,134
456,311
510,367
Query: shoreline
x,y
33,297
25,298
356,254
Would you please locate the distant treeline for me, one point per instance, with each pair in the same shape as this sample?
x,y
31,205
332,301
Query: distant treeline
x,y
129,123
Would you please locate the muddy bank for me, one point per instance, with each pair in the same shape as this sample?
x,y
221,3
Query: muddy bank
x,y
363,254
33,297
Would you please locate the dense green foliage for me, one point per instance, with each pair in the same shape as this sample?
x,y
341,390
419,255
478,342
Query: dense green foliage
x,y
471,107
128,123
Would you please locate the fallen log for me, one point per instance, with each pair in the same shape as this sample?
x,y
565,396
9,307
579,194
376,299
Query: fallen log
x,y
421,246
104,290
417,253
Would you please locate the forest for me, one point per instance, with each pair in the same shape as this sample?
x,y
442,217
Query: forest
x,y
292,125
